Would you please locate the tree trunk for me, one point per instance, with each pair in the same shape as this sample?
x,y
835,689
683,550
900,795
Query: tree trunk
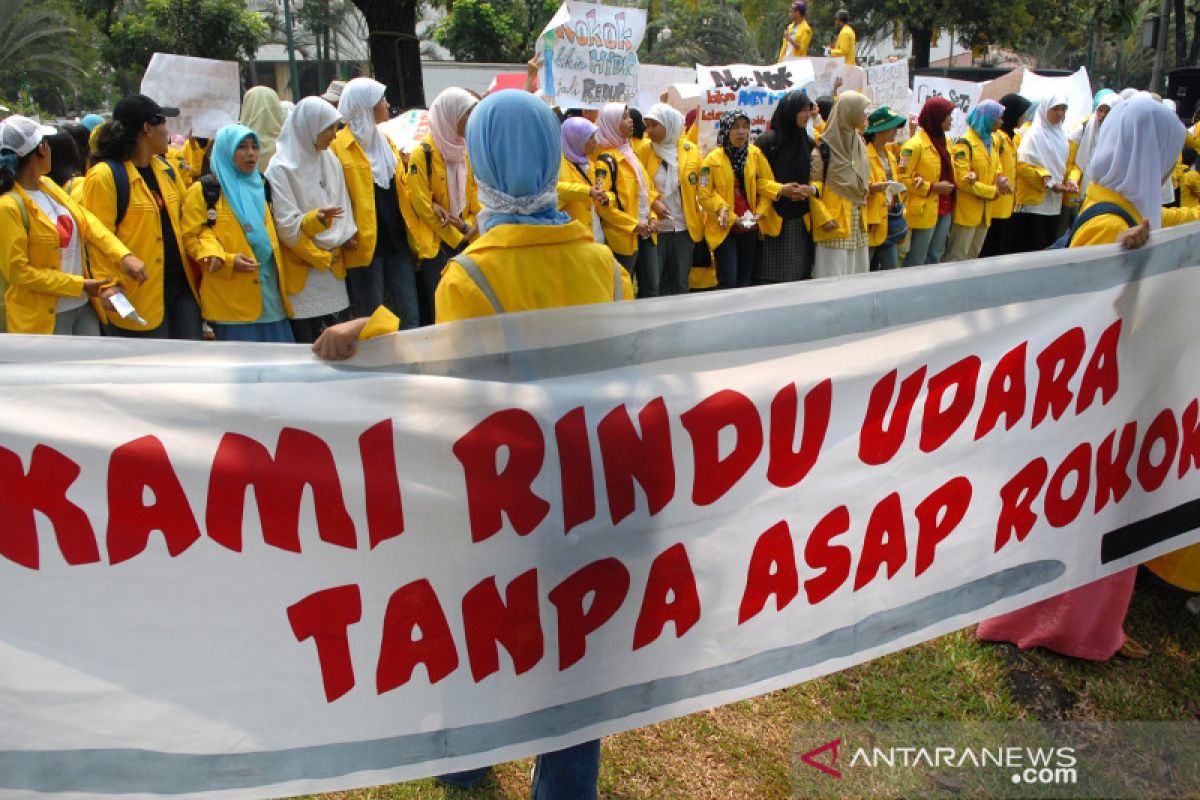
x,y
1194,53
1180,33
922,41
395,49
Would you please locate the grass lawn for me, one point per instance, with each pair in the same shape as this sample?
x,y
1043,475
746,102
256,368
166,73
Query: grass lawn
x,y
742,751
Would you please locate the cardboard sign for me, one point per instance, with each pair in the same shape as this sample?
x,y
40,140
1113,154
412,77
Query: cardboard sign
x,y
965,95
590,55
205,91
407,130
754,90
887,85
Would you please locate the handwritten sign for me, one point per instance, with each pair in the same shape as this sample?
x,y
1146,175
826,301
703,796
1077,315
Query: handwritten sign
x,y
407,130
754,90
887,85
965,95
203,89
590,55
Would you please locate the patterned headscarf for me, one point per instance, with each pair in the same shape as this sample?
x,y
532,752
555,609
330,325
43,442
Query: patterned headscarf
x,y
737,155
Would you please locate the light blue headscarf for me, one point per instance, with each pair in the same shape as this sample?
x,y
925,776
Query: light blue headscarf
x,y
243,191
91,121
1100,95
983,119
513,142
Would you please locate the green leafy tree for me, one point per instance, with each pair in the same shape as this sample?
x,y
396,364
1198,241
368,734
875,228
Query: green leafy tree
x,y
481,30
710,32
36,49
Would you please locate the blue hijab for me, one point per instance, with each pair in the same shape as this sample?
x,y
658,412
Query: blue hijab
x,y
983,119
243,191
513,142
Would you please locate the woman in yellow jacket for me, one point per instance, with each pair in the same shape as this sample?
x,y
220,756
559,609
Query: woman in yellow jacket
x,y
884,211
841,172
626,219
578,193
43,259
979,180
1134,154
379,259
928,177
241,294
999,236
442,187
1042,180
129,154
736,190
673,164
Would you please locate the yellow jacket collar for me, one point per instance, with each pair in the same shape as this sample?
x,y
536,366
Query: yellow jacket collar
x,y
1101,194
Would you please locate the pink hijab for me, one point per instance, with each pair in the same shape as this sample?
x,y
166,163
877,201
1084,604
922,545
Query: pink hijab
x,y
608,134
447,109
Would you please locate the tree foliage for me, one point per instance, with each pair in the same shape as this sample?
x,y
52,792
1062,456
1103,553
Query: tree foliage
x,y
711,32
481,30
36,48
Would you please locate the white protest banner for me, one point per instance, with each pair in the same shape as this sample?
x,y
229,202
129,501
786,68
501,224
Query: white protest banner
x,y
754,90
827,72
887,85
508,535
590,55
1077,88
201,88
964,95
654,81
407,130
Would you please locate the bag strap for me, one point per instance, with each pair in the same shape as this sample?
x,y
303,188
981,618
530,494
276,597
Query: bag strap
x,y
825,152
611,163
481,282
1097,210
21,207
121,182
210,187
582,174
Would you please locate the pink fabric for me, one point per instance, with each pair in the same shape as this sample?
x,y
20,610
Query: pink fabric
x,y
608,134
1087,623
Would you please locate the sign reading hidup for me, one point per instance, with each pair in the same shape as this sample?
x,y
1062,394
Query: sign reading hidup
x,y
265,575
589,54
754,90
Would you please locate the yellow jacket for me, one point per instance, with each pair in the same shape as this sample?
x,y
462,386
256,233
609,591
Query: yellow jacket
x,y
972,203
428,184
799,37
620,216
829,205
191,160
919,159
1189,189
226,295
875,213
575,192
1002,207
689,182
141,231
529,267
1193,137
1031,187
360,185
1104,229
717,190
844,45
30,262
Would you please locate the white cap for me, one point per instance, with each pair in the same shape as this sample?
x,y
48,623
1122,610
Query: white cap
x,y
22,134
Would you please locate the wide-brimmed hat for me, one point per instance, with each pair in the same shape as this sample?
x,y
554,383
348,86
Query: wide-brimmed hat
x,y
882,119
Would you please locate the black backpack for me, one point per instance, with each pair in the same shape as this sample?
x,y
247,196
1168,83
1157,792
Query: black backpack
x,y
211,189
121,181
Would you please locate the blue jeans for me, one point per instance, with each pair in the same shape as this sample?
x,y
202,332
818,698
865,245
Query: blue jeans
x,y
388,278
569,774
649,269
280,332
883,257
735,260
929,244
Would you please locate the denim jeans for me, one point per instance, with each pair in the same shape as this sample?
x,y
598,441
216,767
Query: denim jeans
x,y
929,244
649,269
569,774
885,256
735,260
390,279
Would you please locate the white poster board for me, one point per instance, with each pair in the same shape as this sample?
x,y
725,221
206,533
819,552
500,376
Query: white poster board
x,y
887,85
754,90
827,72
1077,88
965,95
407,130
589,55
655,80
201,88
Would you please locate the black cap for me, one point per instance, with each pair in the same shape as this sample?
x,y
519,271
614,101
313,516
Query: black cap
x,y
136,109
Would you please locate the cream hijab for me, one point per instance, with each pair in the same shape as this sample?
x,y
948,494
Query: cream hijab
x,y
849,171
357,106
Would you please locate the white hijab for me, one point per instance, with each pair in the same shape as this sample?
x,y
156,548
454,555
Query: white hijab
x,y
357,106
1045,144
444,115
673,121
1087,134
1137,146
304,178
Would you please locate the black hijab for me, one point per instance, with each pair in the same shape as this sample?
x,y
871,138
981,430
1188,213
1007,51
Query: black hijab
x,y
1015,107
788,149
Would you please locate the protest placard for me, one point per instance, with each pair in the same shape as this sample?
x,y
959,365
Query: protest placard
x,y
654,81
887,85
1076,88
589,55
754,90
827,72
201,88
267,576
407,130
963,94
